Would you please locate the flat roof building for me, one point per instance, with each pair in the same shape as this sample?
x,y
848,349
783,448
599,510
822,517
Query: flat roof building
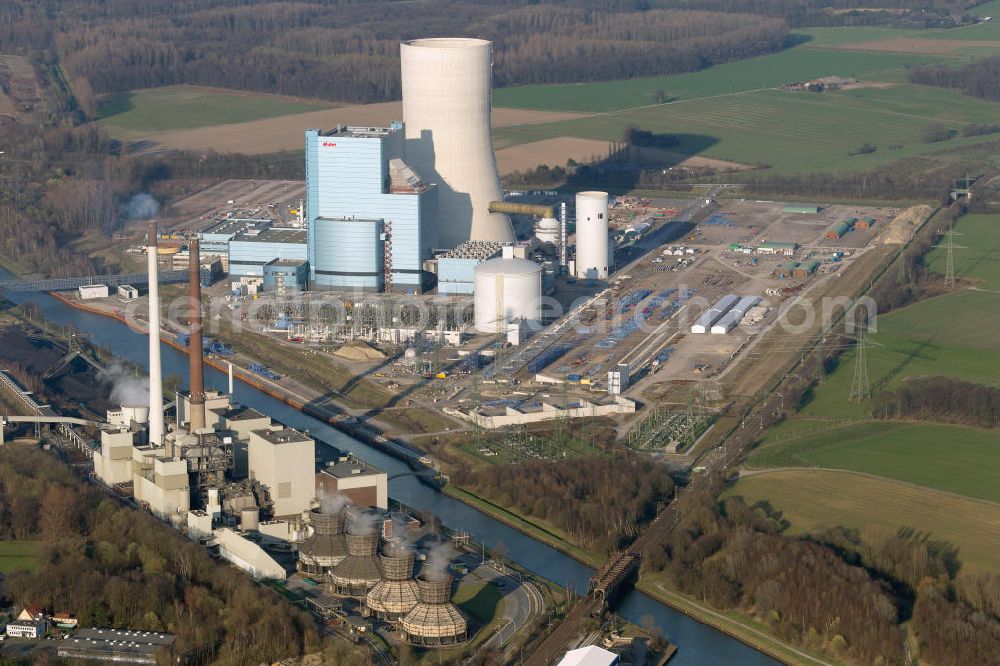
x,y
363,484
114,645
284,460
252,249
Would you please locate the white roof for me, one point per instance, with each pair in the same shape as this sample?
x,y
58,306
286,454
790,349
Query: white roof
x,y
589,656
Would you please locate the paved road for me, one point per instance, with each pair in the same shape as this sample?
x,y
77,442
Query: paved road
x,y
523,603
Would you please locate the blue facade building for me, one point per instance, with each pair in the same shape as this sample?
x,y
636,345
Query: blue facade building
x,y
251,250
284,276
370,216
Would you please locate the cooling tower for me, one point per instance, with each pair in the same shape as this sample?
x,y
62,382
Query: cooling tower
x,y
434,620
449,139
397,593
325,548
358,572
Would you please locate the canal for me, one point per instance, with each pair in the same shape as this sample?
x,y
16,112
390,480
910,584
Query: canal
x,y
698,644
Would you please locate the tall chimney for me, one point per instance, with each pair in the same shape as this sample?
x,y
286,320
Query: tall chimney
x,y
155,369
197,367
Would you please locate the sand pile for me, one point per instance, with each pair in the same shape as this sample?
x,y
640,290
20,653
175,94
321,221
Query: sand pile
x,y
902,227
359,350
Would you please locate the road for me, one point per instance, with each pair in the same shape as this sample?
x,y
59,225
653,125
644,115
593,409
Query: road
x,y
523,603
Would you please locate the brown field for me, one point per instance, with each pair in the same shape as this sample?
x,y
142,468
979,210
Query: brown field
x,y
272,135
553,152
917,45
19,77
815,499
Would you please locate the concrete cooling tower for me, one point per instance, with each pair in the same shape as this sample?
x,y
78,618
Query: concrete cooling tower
x,y
446,108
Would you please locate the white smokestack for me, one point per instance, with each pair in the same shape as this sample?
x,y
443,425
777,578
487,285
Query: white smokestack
x,y
155,369
447,85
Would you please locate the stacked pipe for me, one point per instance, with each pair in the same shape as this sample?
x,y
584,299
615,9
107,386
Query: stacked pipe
x,y
155,368
197,364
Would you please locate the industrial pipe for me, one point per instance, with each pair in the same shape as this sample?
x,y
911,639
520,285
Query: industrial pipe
x,y
156,428
511,208
196,418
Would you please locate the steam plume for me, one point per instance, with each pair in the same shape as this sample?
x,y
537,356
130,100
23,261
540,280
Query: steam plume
x,y
140,207
333,503
438,559
126,389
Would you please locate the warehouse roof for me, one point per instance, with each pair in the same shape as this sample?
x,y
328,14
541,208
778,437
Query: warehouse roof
x,y
273,235
282,435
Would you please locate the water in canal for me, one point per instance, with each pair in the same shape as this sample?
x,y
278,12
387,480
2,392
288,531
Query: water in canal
x,y
698,644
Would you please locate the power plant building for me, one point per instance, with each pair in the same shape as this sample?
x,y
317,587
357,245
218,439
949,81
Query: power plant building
x,y
507,290
253,249
456,267
356,480
284,460
372,219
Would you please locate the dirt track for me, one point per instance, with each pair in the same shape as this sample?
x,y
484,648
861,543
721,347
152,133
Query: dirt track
x,y
917,45
285,133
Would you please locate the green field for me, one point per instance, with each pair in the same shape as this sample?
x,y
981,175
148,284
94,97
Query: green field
x,y
184,107
946,335
813,500
481,600
19,556
965,461
791,131
768,71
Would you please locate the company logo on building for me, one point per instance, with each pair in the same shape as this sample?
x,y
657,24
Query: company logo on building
x,y
329,144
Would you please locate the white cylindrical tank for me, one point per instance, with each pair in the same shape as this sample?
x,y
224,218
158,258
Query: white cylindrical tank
x,y
592,250
447,86
509,288
547,230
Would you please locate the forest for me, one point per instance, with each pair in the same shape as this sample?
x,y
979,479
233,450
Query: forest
x,y
895,13
830,592
940,399
114,566
980,78
601,502
349,51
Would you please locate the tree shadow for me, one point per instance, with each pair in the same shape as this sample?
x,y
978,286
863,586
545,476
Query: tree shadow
x,y
113,104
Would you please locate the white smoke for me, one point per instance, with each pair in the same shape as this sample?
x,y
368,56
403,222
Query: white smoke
x,y
333,503
362,523
140,207
126,388
438,559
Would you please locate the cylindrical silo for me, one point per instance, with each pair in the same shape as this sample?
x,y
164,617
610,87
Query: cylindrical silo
x,y
447,86
593,258
507,288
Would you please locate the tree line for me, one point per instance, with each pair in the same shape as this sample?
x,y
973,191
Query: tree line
x,y
940,399
601,502
978,79
114,566
349,51
895,13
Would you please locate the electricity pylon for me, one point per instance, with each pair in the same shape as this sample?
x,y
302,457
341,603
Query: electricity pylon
x,y
860,386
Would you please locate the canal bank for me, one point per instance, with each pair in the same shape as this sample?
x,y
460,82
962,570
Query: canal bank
x,y
699,644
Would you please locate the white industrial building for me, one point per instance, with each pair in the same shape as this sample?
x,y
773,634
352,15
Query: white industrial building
x,y
284,461
590,655
89,291
704,323
247,555
731,319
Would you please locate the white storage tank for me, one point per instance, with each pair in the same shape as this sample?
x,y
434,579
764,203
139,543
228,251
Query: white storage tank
x,y
511,286
547,230
593,257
